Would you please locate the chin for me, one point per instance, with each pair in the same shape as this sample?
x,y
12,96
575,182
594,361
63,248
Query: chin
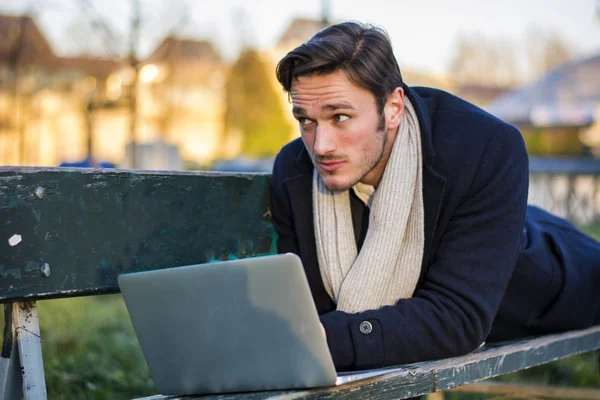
x,y
335,183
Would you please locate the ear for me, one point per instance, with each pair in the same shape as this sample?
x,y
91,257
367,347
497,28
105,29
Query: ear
x,y
394,109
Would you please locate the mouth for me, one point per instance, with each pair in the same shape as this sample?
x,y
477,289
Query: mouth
x,y
330,166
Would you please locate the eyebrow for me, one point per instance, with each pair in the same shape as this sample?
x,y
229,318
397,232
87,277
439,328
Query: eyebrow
x,y
338,106
298,111
328,107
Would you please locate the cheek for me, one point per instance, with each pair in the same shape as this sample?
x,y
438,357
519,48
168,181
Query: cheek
x,y
360,137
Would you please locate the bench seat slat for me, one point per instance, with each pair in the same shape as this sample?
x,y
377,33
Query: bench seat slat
x,y
428,377
529,391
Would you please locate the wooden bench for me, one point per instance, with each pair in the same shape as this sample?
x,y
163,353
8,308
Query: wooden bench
x,y
71,232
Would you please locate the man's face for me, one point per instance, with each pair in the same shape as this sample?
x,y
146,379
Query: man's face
x,y
340,127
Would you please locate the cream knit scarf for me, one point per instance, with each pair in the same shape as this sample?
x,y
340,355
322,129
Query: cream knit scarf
x,y
388,266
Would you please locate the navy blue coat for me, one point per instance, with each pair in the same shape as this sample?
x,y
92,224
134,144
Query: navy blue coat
x,y
475,183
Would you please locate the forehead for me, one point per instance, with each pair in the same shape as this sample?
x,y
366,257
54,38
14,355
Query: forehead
x,y
318,90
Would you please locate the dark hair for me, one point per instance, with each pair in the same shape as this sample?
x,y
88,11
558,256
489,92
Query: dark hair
x,y
362,51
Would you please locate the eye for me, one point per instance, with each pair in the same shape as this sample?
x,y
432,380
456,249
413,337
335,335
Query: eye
x,y
341,117
304,121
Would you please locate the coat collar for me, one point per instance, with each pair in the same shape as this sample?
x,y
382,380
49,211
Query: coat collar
x,y
424,111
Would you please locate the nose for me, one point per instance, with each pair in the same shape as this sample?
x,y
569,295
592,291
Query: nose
x,y
325,142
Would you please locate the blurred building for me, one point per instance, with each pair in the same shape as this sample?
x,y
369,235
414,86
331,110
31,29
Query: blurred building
x,y
557,113
56,109
296,33
181,97
559,118
45,100
30,75
179,107
96,115
62,109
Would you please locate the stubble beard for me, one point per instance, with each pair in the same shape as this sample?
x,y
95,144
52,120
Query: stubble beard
x,y
381,137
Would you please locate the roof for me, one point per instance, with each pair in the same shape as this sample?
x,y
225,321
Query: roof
x,y
300,30
567,95
95,66
22,43
178,49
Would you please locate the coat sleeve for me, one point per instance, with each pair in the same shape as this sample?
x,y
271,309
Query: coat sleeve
x,y
452,312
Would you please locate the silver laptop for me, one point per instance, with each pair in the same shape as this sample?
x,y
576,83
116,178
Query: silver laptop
x,y
232,326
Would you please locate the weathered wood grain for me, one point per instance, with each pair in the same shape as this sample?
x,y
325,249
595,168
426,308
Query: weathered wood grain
x,y
90,225
510,390
423,378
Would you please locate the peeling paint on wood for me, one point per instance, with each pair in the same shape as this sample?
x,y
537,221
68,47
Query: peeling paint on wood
x,y
26,332
423,378
94,224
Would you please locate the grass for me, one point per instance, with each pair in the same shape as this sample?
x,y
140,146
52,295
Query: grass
x,y
91,352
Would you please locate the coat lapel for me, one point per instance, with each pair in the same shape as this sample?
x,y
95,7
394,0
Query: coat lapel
x,y
433,193
433,182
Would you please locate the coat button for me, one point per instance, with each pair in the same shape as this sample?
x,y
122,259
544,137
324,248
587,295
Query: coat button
x,y
365,327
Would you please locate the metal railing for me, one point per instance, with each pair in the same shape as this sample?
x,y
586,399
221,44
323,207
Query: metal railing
x,y
567,187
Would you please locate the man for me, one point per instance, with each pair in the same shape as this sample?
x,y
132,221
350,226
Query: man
x,y
408,209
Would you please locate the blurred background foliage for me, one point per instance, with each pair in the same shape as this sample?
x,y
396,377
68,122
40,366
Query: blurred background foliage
x,y
554,141
143,84
254,107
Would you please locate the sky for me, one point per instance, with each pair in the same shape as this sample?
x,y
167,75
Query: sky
x,y
423,32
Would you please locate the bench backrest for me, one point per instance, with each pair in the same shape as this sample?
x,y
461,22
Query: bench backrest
x,y
70,232
80,228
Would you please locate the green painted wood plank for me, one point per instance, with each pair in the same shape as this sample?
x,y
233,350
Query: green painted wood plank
x,y
422,378
91,225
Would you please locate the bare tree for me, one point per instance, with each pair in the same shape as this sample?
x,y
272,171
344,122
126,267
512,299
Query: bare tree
x,y
83,39
97,30
163,93
14,60
483,61
106,41
24,85
134,64
546,50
